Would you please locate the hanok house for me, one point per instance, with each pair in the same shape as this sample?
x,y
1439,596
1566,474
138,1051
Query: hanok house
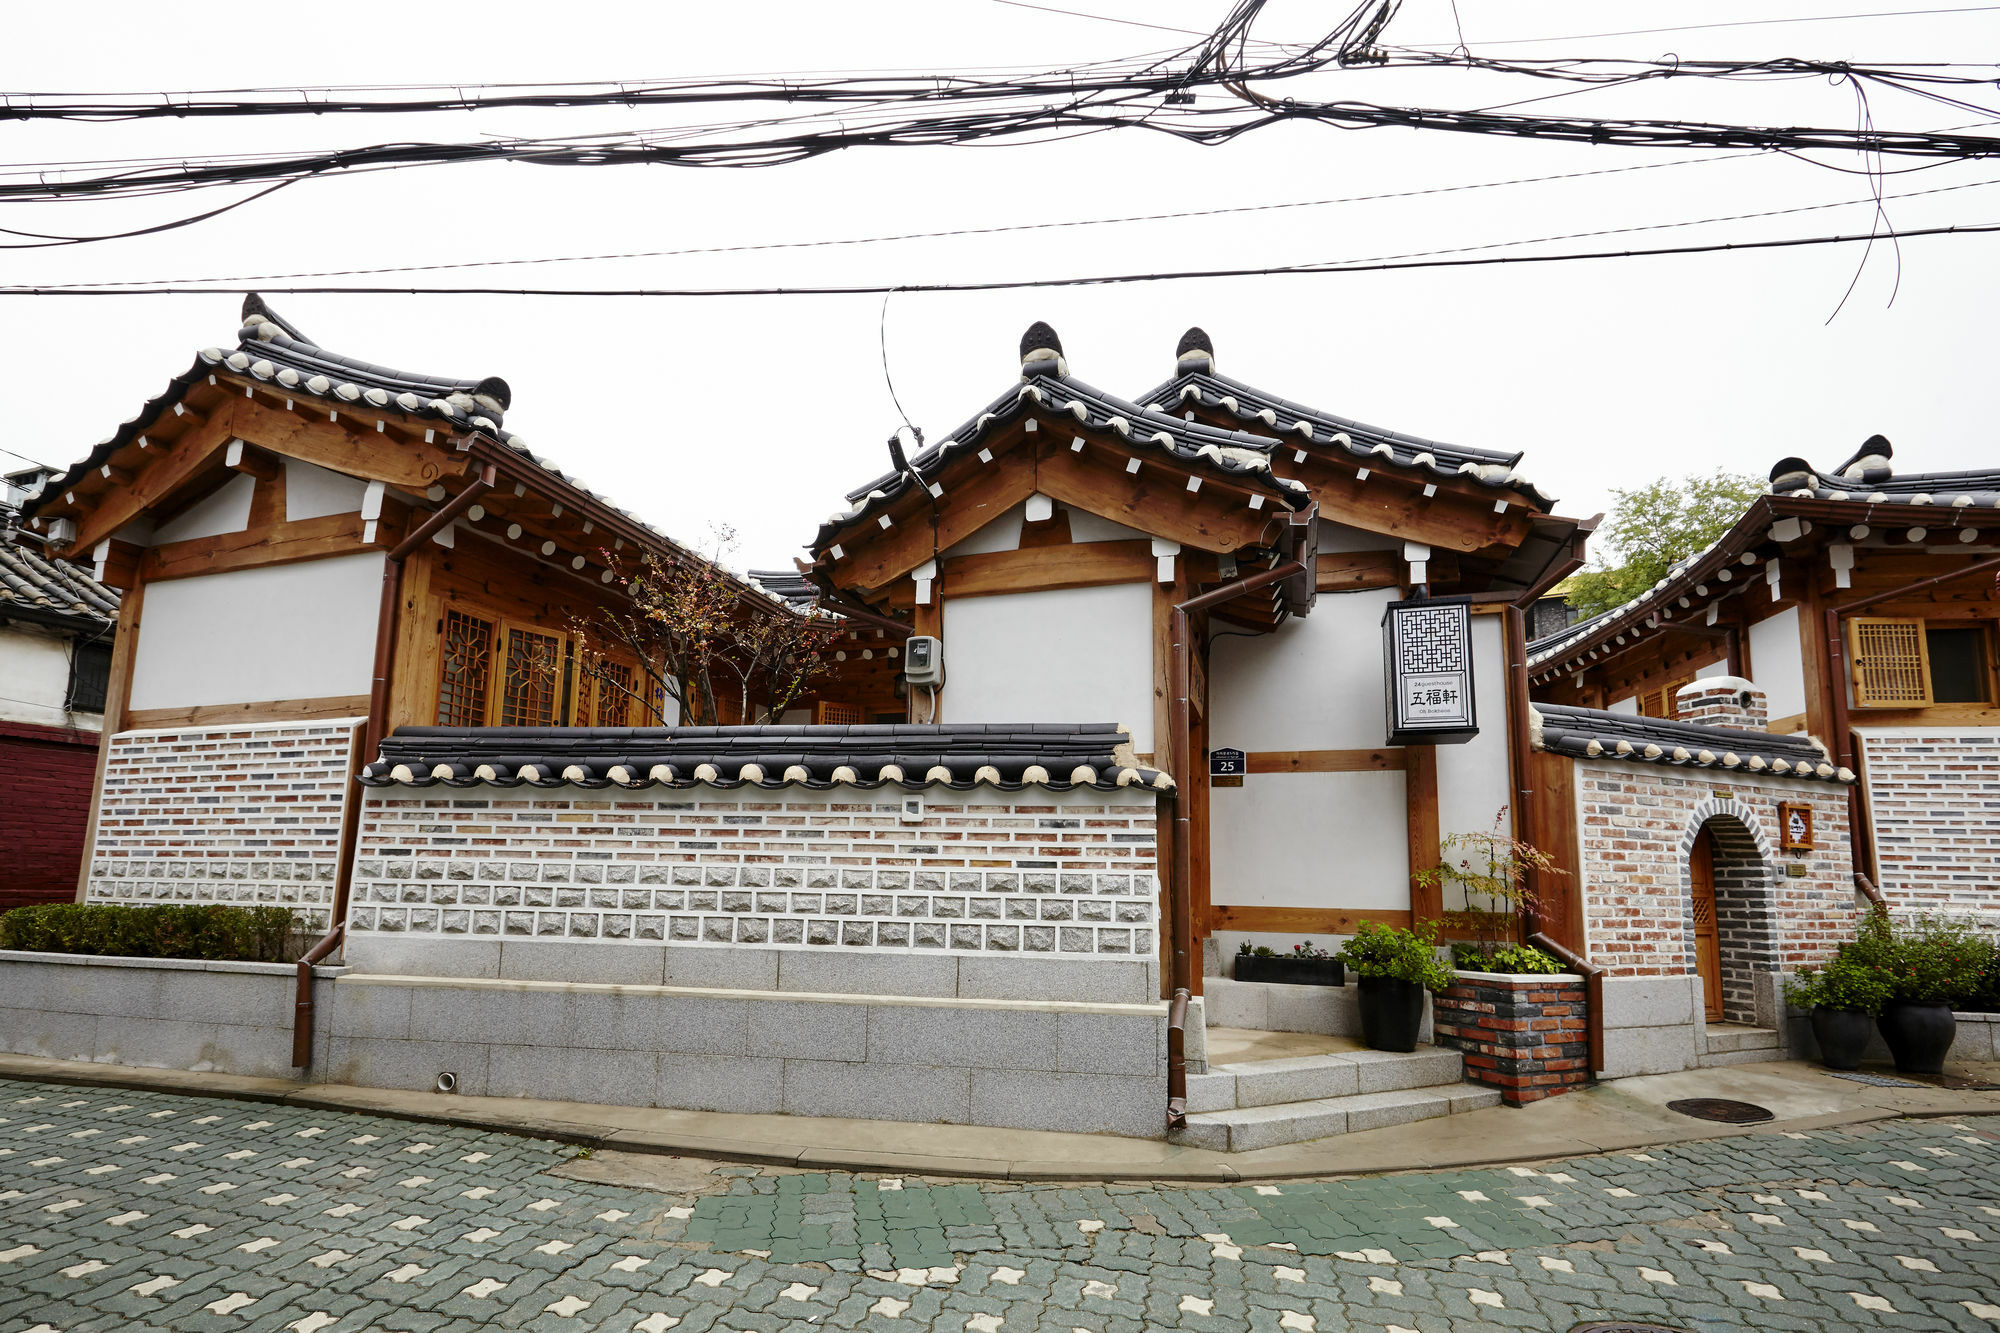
x,y
55,656
1862,604
1121,684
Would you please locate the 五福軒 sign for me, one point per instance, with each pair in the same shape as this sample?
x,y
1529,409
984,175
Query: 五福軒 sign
x,y
1427,668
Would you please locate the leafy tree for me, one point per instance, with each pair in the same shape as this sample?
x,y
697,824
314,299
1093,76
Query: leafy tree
x,y
1653,526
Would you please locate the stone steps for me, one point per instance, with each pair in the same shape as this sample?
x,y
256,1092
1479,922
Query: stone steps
x,y
1740,1044
1266,1103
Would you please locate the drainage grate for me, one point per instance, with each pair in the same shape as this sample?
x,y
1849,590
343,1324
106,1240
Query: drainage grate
x,y
1620,1326
1874,1080
1720,1109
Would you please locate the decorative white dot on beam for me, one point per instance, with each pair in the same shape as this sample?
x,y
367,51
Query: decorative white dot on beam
x,y
1131,465
1256,502
985,455
548,548
434,494
1917,534
1361,475
1430,489
1298,455
476,513
886,522
1076,445
1194,483
513,532
577,562
1968,534
605,577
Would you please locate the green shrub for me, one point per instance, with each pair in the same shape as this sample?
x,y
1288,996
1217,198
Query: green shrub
x,y
1842,984
1929,958
1377,950
1511,958
209,931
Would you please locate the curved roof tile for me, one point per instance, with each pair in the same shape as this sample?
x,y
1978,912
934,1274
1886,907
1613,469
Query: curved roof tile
x,y
1596,733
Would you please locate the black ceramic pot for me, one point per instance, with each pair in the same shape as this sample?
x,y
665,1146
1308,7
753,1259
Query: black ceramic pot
x,y
1842,1035
1391,1013
1919,1033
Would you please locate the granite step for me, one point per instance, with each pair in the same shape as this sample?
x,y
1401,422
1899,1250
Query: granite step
x,y
1726,1038
1245,1129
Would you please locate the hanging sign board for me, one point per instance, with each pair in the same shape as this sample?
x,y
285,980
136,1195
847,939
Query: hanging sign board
x,y
1226,768
1427,669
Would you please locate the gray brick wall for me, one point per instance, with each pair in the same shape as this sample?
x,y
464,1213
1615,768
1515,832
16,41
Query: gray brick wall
x,y
1934,800
1031,872
243,814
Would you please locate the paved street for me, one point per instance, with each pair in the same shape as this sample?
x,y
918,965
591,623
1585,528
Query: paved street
x,y
136,1211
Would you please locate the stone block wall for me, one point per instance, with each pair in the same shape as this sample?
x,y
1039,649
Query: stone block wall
x,y
1934,803
1059,875
244,814
1636,824
1525,1035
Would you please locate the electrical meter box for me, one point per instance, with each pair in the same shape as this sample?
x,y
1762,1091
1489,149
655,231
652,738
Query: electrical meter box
x,y
1427,667
923,660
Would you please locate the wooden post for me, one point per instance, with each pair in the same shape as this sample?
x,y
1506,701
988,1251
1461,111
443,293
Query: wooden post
x,y
1420,791
928,619
117,697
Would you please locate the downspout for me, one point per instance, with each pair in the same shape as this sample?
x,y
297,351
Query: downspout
x,y
1839,677
371,740
1180,906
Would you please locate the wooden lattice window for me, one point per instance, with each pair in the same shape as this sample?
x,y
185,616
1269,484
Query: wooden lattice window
x,y
532,691
1892,666
1660,702
611,694
465,675
829,714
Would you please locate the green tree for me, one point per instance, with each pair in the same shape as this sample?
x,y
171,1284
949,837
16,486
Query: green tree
x,y
1653,526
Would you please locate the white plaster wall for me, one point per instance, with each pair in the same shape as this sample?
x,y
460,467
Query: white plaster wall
x,y
228,510
1004,532
1474,779
312,491
1310,840
1712,669
1315,684
1085,526
1778,662
1071,655
1339,537
303,631
34,678
1629,704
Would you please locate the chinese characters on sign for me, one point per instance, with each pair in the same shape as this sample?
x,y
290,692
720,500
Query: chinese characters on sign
x,y
1427,655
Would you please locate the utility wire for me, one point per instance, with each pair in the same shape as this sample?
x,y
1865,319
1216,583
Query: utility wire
x,y
1020,284
1736,23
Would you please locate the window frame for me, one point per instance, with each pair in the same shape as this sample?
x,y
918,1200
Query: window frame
x,y
1857,667
75,700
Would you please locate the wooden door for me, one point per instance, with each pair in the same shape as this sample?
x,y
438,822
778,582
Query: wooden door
x,y
1707,949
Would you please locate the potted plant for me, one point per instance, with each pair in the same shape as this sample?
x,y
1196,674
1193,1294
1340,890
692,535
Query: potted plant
x,y
1303,966
1396,966
1926,964
1844,999
1491,869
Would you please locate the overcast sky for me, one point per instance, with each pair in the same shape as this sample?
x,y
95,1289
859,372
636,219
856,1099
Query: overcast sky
x,y
761,412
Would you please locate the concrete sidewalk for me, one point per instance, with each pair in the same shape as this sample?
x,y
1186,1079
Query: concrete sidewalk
x,y
1626,1114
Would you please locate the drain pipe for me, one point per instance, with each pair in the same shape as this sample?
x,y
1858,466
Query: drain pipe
x,y
1858,842
1180,906
371,740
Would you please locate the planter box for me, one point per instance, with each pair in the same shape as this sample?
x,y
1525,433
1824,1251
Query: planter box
x,y
1524,1034
1291,971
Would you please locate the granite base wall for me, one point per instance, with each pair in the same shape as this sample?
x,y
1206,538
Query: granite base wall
x,y
157,1013
1525,1035
1652,1025
1275,1007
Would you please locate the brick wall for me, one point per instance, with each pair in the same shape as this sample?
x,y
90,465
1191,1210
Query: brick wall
x,y
1636,825
1049,873
1934,801
49,772
1524,1035
238,814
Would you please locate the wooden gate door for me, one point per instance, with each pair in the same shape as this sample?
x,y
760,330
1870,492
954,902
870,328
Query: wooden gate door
x,y
1707,949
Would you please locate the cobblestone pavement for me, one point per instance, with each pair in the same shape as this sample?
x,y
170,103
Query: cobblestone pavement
x,y
137,1211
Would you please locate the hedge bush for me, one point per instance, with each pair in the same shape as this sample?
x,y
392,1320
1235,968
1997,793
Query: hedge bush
x,y
210,932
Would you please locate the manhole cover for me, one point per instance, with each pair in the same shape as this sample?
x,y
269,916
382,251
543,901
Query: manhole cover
x,y
1719,1109
1619,1326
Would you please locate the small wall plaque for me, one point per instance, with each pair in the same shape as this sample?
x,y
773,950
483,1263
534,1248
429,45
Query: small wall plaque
x,y
1226,768
1795,827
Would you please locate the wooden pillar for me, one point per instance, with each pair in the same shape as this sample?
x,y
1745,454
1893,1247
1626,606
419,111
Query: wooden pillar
x,y
117,696
928,618
1420,790
1819,678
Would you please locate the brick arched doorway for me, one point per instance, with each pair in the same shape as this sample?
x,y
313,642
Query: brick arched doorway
x,y
1731,917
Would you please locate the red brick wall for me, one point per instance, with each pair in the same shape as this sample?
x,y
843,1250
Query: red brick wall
x,y
1525,1035
49,772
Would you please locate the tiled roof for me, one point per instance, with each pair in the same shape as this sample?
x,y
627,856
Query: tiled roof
x,y
1225,454
1596,733
1865,481
787,585
910,757
31,581
1198,381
